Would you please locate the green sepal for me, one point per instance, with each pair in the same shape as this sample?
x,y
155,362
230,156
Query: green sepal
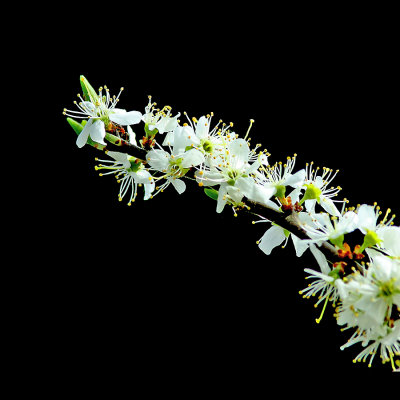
x,y
335,273
150,133
89,94
212,193
338,241
76,126
135,164
280,191
370,239
312,193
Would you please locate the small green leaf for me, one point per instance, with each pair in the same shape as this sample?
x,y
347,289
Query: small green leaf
x,y
89,94
76,126
212,193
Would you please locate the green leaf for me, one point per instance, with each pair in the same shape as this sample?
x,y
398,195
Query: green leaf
x,y
89,94
76,126
212,193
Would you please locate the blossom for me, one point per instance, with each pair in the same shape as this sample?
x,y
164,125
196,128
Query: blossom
x,y
100,110
368,224
211,142
391,241
129,173
276,235
174,164
321,227
159,121
368,297
324,284
317,190
386,340
234,174
280,175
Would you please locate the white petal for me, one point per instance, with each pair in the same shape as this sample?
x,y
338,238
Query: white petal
x,y
209,178
83,136
179,185
321,259
254,191
367,218
148,189
296,179
142,176
183,137
158,159
167,124
348,223
97,131
273,237
126,118
192,158
132,136
329,206
391,240
300,245
120,157
239,153
202,128
220,200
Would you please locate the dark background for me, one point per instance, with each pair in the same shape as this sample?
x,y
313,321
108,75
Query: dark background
x,y
167,291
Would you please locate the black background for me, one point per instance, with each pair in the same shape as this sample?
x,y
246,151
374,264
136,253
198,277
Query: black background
x,y
168,293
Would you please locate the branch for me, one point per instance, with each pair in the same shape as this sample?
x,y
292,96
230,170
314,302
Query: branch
x,y
288,221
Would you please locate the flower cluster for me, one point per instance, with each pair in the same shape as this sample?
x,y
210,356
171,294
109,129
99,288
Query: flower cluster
x,y
357,249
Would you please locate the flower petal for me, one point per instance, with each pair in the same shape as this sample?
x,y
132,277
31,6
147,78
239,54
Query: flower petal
x,y
273,237
179,185
202,128
83,136
126,118
97,131
192,158
158,159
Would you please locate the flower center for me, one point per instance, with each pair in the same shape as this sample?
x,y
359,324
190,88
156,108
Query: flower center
x,y
388,289
233,175
207,145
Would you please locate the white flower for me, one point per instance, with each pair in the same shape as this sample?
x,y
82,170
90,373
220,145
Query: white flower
x,y
100,110
159,121
324,284
317,190
176,164
322,227
391,241
234,173
211,142
373,230
387,339
368,297
276,235
129,173
280,175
